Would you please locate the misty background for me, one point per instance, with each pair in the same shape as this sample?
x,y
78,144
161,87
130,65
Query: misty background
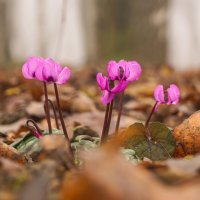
x,y
80,32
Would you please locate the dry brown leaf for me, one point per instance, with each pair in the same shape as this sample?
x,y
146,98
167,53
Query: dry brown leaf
x,y
9,165
188,134
35,109
13,127
9,152
108,176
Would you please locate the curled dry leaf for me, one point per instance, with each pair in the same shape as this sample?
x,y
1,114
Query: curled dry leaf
x,y
187,135
9,152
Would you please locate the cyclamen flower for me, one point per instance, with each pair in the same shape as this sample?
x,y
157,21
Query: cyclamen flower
x,y
170,96
122,73
124,70
46,70
109,92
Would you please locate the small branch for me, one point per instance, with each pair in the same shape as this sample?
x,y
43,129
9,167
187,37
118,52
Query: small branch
x,y
119,112
47,113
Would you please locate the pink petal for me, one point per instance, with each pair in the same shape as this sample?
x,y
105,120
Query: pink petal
x,y
113,70
102,81
33,63
25,71
51,70
39,73
123,64
48,69
64,76
107,97
173,94
119,87
159,94
135,71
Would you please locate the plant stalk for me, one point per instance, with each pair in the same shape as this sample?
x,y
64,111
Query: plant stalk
x,y
47,112
60,113
109,118
150,115
119,112
54,112
105,123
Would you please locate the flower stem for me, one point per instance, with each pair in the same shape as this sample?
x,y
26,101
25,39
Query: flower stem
x,y
119,112
109,117
34,125
107,120
54,112
60,113
47,113
103,135
150,115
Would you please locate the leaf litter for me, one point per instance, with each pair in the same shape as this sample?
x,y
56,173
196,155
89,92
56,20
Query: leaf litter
x,y
46,171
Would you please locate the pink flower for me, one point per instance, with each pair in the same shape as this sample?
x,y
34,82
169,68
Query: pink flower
x,y
52,72
31,66
121,74
109,92
173,94
46,70
124,71
170,96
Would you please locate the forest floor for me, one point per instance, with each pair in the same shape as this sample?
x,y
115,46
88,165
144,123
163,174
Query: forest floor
x,y
48,170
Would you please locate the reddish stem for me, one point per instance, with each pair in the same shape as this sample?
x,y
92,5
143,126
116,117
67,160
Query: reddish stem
x,y
119,112
47,113
105,123
54,112
60,112
151,113
109,118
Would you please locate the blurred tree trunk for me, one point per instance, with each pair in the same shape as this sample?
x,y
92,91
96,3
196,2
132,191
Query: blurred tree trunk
x,y
4,52
89,13
132,29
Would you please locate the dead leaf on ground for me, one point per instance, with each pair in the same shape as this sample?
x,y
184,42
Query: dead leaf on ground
x,y
117,179
9,152
188,134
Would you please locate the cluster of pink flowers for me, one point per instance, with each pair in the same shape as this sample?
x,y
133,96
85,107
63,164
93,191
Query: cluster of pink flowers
x,y
46,70
121,74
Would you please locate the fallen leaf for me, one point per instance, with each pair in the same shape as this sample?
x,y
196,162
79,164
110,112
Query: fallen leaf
x,y
9,152
187,134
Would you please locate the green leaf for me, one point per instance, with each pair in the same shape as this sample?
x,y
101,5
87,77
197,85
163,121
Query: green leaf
x,y
29,144
160,146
